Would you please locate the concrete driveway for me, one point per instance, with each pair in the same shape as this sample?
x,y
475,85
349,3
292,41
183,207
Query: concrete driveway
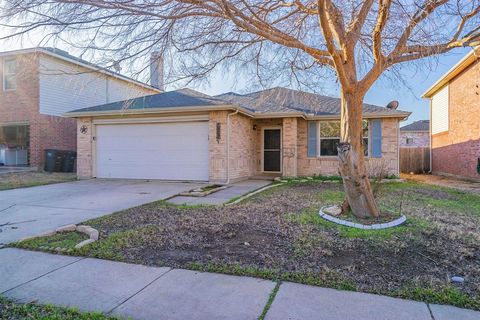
x,y
32,211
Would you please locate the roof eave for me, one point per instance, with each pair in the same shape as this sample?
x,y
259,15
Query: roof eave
x,y
79,114
366,115
450,74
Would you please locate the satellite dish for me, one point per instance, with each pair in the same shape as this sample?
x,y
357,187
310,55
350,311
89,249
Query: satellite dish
x,y
393,105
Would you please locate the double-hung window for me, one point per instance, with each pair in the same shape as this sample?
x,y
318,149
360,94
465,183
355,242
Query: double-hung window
x,y
9,74
329,137
324,137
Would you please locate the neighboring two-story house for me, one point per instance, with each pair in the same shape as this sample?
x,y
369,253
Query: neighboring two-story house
x,y
38,85
455,119
415,135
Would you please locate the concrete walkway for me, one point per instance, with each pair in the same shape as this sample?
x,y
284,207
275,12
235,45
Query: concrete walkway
x,y
141,292
31,211
223,196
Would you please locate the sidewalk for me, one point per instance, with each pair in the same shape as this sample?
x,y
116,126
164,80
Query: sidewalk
x,y
142,292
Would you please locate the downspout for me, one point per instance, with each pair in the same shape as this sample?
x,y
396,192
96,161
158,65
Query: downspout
x,y
430,136
398,147
227,167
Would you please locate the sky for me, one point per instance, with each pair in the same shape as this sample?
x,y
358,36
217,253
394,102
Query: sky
x,y
408,90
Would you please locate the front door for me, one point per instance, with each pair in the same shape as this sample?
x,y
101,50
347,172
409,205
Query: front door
x,y
272,150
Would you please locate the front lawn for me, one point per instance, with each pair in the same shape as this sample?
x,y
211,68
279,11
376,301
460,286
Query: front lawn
x,y
18,311
32,178
278,234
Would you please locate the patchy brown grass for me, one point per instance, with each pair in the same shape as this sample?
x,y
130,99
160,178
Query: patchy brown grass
x,y
32,178
278,234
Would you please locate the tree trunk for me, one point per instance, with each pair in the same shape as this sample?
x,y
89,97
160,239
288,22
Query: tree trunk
x,y
352,160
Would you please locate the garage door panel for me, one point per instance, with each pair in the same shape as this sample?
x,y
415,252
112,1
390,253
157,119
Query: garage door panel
x,y
171,151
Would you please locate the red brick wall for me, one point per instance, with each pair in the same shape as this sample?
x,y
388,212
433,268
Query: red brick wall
x,y
457,150
22,106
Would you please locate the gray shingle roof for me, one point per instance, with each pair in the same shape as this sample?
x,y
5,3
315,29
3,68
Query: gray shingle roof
x,y
171,99
421,125
287,100
275,100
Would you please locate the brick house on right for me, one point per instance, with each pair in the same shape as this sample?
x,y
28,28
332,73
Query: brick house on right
x,y
455,119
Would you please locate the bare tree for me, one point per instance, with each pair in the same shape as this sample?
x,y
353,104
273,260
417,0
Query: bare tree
x,y
358,40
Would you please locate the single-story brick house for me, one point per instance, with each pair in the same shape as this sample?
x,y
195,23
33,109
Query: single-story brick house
x,y
415,135
455,119
187,135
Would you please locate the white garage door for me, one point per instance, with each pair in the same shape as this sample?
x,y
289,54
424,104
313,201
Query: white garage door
x,y
170,151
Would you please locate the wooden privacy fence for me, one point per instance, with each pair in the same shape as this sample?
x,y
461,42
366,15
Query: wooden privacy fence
x,y
416,160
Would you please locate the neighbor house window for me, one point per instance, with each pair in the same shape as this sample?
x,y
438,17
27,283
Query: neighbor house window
x,y
409,141
329,137
9,74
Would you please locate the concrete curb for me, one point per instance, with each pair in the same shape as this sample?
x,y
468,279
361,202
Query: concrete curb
x,y
377,226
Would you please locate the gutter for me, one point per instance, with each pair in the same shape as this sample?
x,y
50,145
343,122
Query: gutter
x,y
78,114
228,147
254,115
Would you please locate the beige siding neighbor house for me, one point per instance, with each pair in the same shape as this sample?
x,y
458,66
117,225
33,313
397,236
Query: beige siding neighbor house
x,y
455,119
38,86
187,135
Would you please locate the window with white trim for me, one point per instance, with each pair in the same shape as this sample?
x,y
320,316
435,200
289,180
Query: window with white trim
x,y
9,74
328,138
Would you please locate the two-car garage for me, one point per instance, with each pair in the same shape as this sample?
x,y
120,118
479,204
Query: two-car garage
x,y
152,150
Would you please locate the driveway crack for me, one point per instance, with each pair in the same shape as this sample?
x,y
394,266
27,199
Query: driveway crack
x,y
13,205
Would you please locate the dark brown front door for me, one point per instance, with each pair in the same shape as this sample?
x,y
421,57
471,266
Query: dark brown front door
x,y
272,150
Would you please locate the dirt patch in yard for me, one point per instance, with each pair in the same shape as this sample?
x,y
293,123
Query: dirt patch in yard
x,y
280,230
279,234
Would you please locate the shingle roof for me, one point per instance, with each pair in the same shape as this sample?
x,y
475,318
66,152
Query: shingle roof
x,y
171,99
275,100
421,125
287,100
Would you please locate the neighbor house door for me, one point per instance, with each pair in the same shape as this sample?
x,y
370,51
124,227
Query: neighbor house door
x,y
272,150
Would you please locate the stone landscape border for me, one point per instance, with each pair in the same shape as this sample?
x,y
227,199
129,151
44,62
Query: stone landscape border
x,y
377,226
92,234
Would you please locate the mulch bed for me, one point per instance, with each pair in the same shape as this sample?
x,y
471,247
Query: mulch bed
x,y
279,230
